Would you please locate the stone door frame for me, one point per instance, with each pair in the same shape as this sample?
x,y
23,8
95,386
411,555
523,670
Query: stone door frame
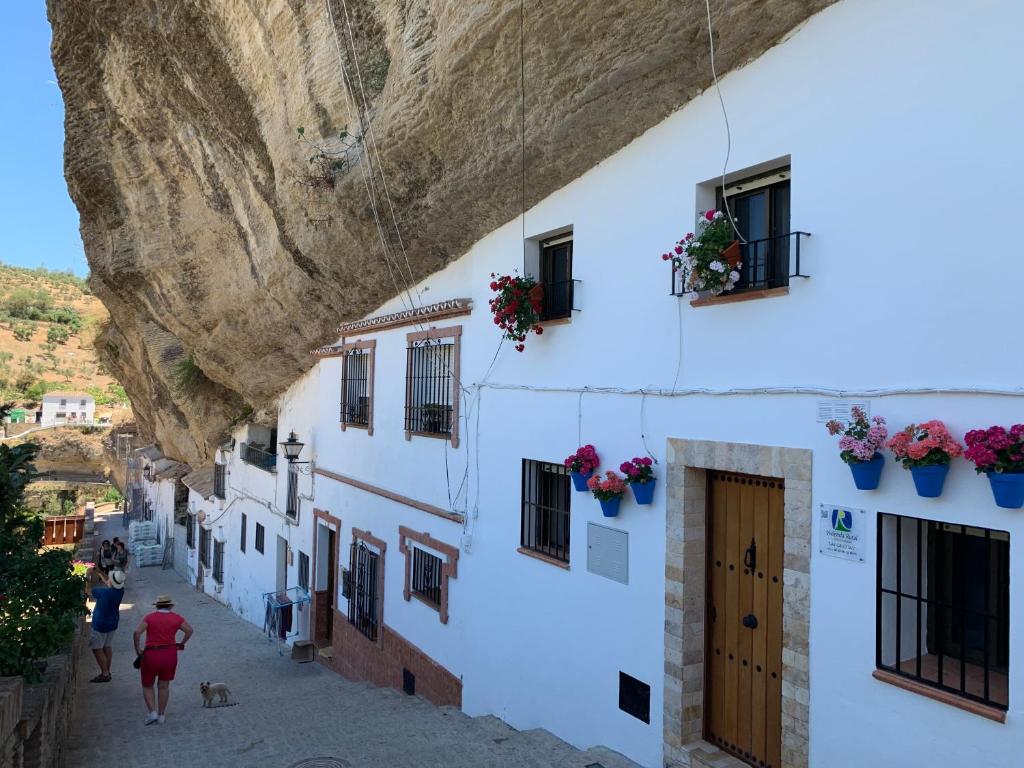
x,y
685,592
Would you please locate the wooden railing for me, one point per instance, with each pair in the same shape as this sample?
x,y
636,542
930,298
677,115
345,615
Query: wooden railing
x,y
65,529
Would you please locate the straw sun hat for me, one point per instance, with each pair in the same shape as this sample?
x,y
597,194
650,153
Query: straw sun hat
x,y
117,579
163,601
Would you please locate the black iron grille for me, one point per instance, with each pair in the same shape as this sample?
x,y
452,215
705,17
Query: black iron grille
x,y
303,570
292,506
355,399
190,532
260,533
220,481
218,562
545,515
204,547
426,576
241,541
362,601
258,457
429,387
943,606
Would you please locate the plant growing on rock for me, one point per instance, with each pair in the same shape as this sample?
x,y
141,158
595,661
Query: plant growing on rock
x,y
330,158
516,307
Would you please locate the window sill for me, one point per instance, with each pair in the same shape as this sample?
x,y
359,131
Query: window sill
x,y
555,321
543,558
974,707
347,425
433,606
764,293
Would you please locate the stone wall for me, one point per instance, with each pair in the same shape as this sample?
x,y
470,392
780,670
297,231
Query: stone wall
x,y
35,719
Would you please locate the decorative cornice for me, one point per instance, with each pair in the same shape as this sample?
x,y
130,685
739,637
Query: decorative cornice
x,y
424,314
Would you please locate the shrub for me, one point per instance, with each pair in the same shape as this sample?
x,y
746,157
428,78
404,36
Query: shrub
x,y
23,331
57,334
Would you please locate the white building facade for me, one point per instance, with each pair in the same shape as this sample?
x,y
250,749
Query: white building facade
x,y
446,552
67,408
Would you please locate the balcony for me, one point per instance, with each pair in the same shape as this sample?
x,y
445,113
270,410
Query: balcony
x,y
259,458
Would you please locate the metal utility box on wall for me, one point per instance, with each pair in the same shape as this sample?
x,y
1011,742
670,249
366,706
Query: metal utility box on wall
x,y
608,552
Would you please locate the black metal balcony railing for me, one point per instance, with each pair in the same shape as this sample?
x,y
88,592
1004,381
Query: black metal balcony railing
x,y
220,481
258,457
559,297
766,263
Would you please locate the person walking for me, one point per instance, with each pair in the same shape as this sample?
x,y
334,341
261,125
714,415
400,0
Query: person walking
x,y
121,556
105,557
105,616
158,657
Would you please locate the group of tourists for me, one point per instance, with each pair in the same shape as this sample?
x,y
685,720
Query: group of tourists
x,y
155,638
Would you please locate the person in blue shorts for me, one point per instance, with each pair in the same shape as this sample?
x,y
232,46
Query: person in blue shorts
x,y
105,615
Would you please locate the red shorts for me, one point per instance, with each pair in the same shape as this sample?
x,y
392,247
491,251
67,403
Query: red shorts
x,y
158,664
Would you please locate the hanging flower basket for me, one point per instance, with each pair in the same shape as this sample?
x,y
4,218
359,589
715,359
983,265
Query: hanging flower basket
x,y
999,453
926,450
516,307
859,447
640,476
710,259
581,466
608,491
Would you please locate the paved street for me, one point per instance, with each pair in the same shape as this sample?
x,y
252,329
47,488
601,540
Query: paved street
x,y
287,713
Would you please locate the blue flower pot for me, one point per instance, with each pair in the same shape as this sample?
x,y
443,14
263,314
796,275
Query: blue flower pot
x,y
579,479
1007,488
866,474
929,480
643,492
610,508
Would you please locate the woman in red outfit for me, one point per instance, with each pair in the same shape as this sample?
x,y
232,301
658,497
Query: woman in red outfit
x,y
159,656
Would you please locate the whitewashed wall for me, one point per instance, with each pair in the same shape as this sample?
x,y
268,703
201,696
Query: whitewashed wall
x,y
898,119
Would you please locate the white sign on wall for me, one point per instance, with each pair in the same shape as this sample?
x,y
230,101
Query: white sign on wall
x,y
842,532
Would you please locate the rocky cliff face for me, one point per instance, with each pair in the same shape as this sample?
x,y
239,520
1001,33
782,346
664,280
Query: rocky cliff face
x,y
224,255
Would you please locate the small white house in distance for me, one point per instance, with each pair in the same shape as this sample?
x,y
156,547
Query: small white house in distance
x,y
60,408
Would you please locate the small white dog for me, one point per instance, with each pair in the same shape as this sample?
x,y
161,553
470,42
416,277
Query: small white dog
x,y
209,690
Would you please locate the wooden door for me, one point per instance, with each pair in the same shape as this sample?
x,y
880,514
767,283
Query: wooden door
x,y
743,667
323,600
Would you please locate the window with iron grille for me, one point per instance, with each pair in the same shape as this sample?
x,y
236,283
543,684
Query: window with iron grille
x,y
292,506
545,514
943,606
303,570
426,576
429,387
556,277
363,596
218,562
259,538
355,387
205,536
190,532
245,521
220,481
180,502
760,211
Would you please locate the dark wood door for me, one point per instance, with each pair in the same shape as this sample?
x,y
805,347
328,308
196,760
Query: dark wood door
x,y
743,675
324,599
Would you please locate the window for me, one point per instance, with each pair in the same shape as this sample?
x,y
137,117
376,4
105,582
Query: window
x,y
943,607
63,403
245,522
556,277
429,564
431,384
366,584
180,502
545,515
82,403
190,532
760,211
357,385
303,570
220,481
259,538
292,506
218,562
205,536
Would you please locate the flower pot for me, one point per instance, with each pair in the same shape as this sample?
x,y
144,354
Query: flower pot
x,y
866,474
1007,488
731,254
610,507
928,480
643,492
579,479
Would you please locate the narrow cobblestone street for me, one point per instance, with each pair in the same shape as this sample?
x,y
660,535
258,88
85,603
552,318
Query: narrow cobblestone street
x,y
287,712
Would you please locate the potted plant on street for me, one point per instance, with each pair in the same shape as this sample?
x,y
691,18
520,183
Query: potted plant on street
x,y
926,450
608,491
581,466
999,453
709,260
860,445
640,476
516,307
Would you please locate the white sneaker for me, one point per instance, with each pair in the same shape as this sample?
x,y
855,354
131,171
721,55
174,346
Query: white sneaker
x,y
151,718
160,720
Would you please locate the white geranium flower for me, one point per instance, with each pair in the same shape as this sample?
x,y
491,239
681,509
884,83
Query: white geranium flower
x,y
718,214
717,266
734,276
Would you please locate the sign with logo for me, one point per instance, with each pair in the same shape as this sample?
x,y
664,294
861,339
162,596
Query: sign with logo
x,y
842,532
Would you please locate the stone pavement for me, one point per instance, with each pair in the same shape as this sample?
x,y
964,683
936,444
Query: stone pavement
x,y
287,713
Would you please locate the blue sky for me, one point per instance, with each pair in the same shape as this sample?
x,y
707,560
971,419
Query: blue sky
x,y
38,221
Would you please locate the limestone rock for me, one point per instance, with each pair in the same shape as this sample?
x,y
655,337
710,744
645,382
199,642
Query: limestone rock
x,y
214,246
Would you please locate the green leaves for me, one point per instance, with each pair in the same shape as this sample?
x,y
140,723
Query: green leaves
x,y
301,131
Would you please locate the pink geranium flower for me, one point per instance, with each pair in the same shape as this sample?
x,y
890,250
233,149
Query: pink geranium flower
x,y
861,439
924,445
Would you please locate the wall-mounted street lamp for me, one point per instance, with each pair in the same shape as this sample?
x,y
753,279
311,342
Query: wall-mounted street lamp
x,y
292,447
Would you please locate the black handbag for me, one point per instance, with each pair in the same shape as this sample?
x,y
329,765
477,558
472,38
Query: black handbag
x,y
138,661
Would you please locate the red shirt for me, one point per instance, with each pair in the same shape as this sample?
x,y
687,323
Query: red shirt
x,y
162,628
